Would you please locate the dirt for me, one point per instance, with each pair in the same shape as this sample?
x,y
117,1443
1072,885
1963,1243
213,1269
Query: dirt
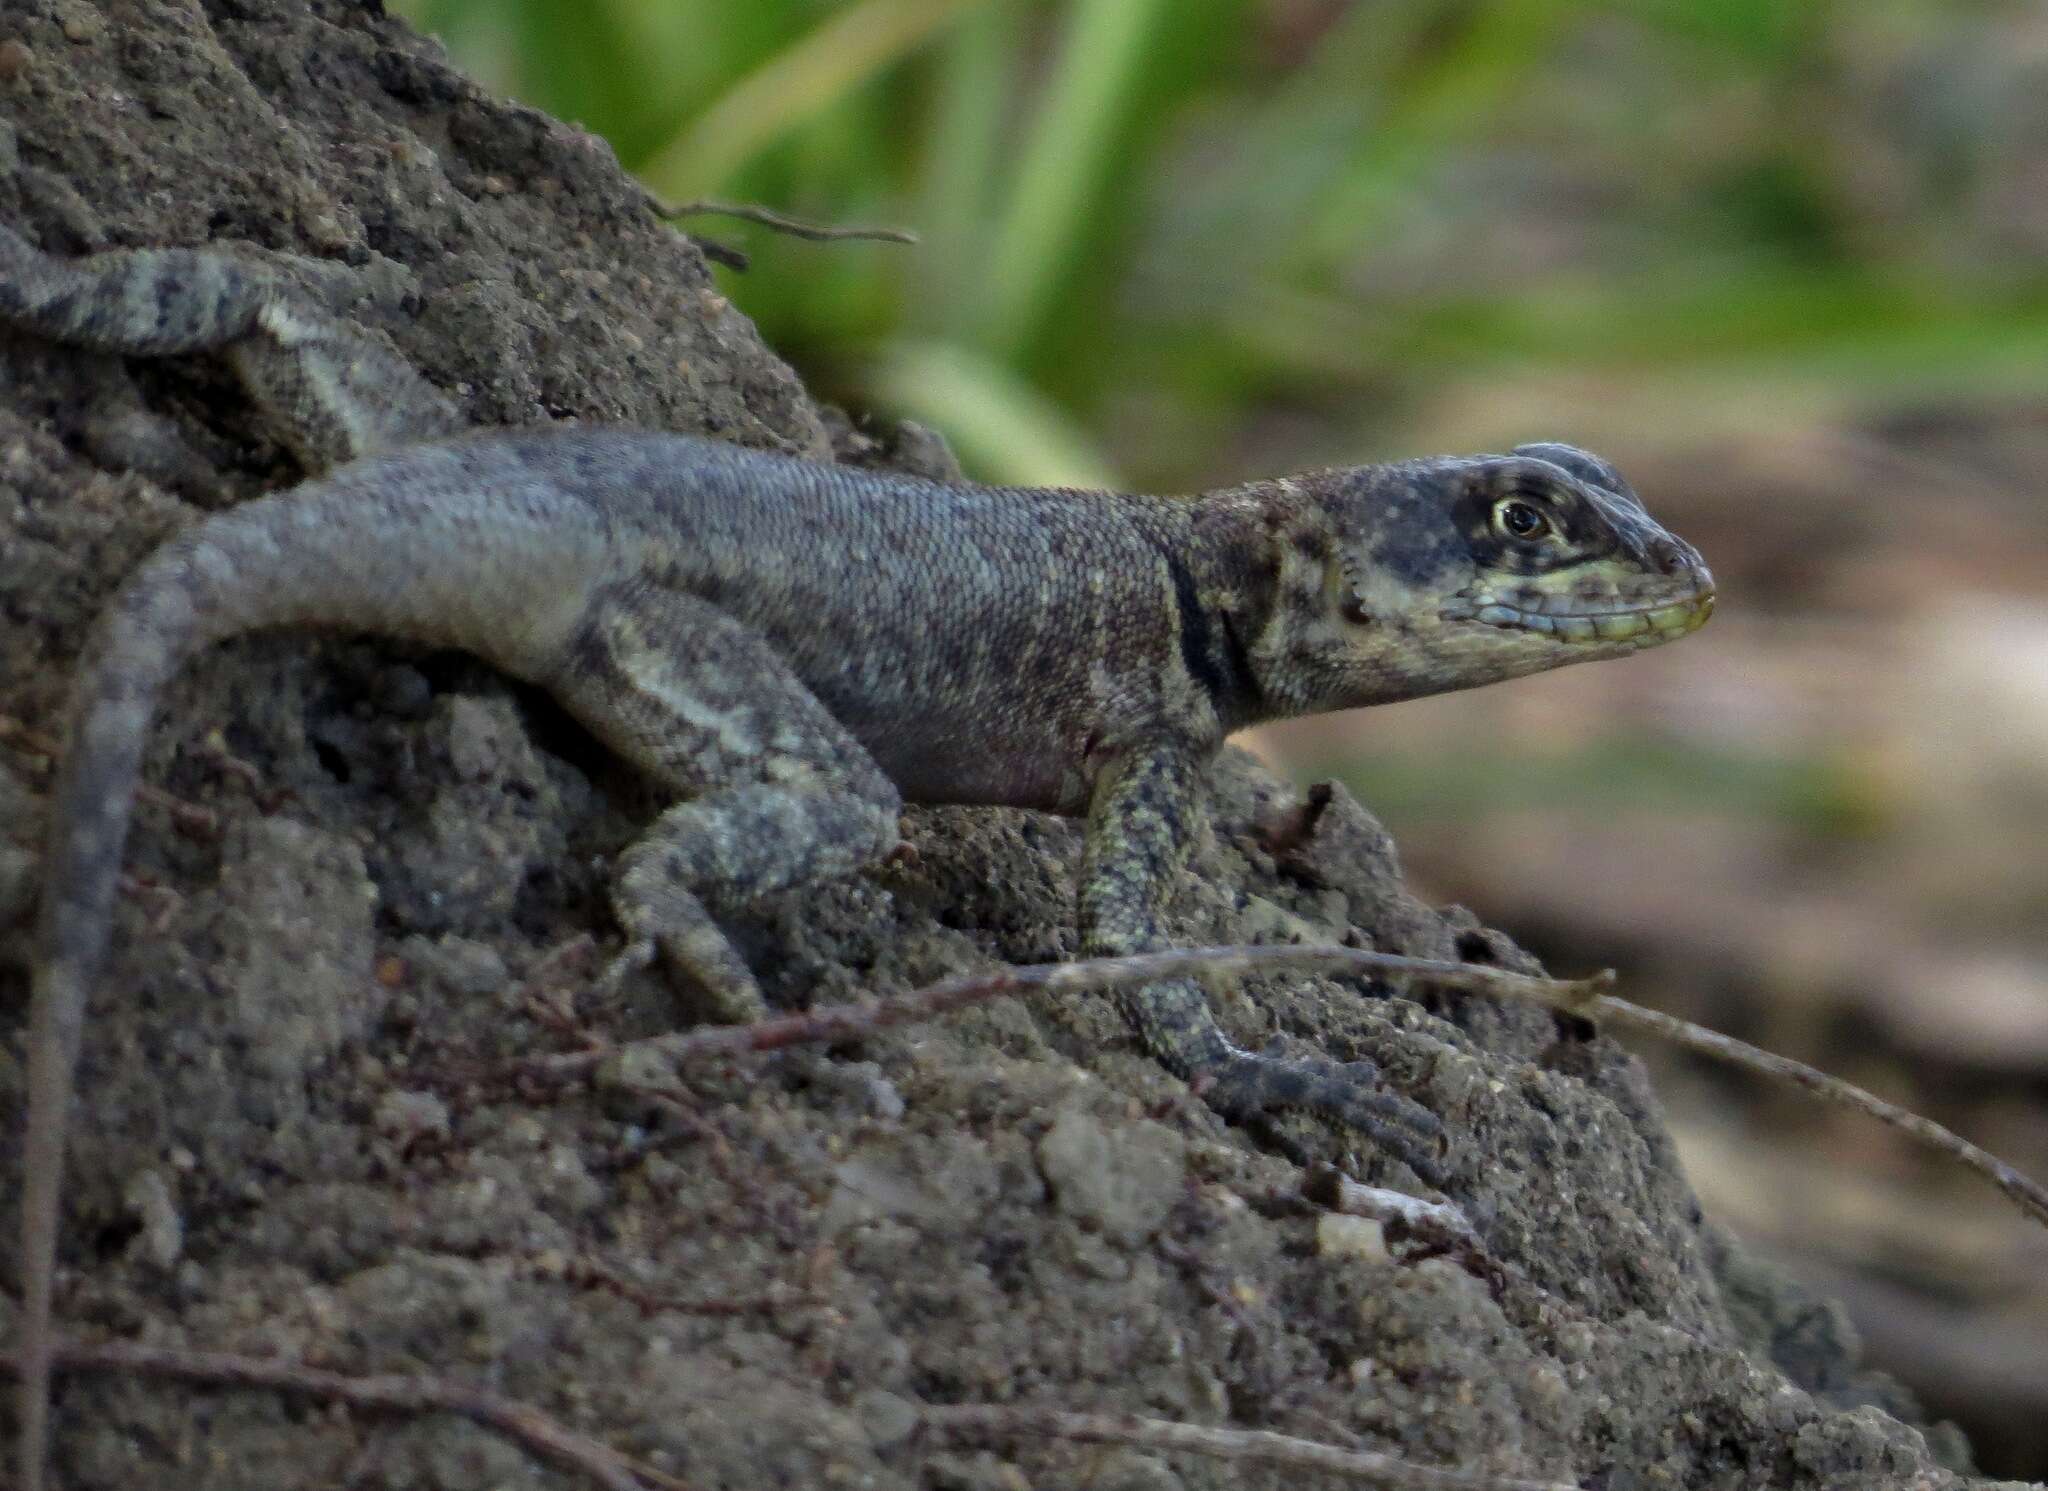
x,y
295,1136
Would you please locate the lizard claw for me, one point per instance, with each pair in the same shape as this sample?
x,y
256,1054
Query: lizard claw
x,y
1252,1085
636,955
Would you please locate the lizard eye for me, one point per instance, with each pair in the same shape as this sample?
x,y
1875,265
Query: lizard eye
x,y
1514,518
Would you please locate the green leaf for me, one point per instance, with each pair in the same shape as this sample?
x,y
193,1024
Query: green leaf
x,y
792,87
1064,167
1003,429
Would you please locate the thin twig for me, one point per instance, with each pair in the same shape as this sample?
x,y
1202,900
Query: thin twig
x,y
720,252
1586,997
214,747
838,1022
189,815
2025,1193
1438,1228
392,1392
1436,1225
549,1440
795,227
1432,1221
979,1421
541,995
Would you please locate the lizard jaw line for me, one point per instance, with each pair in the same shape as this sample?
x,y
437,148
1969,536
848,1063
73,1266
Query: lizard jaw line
x,y
1629,627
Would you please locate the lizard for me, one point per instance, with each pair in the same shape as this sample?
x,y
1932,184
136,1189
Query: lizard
x,y
789,650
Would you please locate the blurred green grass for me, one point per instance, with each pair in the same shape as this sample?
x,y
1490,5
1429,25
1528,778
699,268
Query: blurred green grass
x,y
1825,798
1150,228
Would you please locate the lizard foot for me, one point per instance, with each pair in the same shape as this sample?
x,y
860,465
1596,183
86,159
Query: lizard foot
x,y
1251,1085
634,956
661,917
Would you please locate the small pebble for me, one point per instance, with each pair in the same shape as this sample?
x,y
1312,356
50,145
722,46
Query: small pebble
x,y
407,1116
1339,1236
162,1237
887,1418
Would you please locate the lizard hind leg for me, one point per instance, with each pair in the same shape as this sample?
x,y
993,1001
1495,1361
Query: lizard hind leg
x,y
778,792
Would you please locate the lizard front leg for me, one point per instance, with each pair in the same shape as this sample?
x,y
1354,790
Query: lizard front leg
x,y
329,392
1140,821
779,792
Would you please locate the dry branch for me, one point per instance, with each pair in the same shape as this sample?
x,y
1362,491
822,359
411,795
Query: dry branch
x,y
839,1022
1585,997
387,1392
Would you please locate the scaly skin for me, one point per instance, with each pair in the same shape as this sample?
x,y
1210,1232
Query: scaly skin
x,y
790,650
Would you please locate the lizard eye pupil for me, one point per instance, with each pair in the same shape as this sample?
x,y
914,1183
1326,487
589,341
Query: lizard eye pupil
x,y
1520,520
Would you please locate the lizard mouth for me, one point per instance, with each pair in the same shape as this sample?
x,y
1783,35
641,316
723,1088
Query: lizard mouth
x,y
1571,620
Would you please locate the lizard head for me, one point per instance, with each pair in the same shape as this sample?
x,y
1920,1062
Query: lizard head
x,y
1427,576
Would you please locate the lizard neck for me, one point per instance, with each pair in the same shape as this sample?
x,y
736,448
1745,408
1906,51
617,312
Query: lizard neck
x,y
1271,549
1236,571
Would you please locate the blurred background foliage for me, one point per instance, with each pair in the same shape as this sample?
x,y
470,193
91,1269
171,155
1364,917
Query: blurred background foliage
x,y
1785,261
1150,228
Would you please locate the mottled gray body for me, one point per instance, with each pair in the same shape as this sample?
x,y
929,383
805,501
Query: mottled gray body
x,y
934,622
791,649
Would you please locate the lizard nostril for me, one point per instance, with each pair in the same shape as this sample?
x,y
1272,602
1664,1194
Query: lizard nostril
x,y
1670,556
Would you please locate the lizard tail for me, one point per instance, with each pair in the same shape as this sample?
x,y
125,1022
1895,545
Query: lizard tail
x,y
151,301
147,632
371,546
262,564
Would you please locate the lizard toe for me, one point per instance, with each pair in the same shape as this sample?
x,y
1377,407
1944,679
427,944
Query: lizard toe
x,y
1253,1085
637,954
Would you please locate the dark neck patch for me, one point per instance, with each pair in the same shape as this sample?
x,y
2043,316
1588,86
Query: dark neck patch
x,y
1212,653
